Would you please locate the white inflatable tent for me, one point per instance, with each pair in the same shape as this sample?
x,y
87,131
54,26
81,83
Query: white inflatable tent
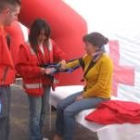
x,y
117,19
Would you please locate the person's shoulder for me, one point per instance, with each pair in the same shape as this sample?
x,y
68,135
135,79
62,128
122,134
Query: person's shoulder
x,y
106,58
51,41
25,44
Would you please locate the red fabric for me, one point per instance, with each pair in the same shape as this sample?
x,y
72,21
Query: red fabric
x,y
17,38
28,65
115,111
67,30
7,71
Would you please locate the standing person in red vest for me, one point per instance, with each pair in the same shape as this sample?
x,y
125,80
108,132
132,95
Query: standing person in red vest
x,y
9,10
39,50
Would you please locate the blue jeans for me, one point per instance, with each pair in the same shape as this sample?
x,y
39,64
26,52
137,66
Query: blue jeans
x,y
66,111
39,106
5,101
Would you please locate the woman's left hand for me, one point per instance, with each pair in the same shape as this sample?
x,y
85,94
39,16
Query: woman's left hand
x,y
63,64
78,98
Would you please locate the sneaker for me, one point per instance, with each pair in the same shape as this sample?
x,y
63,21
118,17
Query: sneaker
x,y
45,139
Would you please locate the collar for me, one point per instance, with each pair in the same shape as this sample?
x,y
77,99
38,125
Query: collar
x,y
96,55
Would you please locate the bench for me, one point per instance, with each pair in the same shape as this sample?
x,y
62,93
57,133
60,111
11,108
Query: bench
x,y
124,131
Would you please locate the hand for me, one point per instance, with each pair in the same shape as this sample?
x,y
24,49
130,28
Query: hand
x,y
49,70
78,98
63,64
42,70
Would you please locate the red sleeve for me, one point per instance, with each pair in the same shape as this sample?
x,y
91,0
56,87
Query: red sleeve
x,y
1,66
0,50
58,53
25,65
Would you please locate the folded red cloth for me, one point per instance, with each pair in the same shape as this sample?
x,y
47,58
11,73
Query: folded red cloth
x,y
115,111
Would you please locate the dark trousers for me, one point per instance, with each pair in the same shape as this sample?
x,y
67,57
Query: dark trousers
x,y
5,100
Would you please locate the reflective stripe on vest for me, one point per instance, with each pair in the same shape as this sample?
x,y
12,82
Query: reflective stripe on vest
x,y
50,47
33,86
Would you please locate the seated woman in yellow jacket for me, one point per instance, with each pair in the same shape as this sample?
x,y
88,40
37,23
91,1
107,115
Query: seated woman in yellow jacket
x,y
98,69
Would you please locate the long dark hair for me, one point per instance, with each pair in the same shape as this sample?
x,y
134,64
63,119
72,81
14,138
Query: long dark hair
x,y
37,26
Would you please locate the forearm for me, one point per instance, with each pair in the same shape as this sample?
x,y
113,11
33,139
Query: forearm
x,y
72,64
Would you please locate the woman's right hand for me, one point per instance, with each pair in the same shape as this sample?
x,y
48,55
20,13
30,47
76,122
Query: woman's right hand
x,y
50,70
46,70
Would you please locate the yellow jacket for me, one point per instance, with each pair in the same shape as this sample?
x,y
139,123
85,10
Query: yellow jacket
x,y
98,78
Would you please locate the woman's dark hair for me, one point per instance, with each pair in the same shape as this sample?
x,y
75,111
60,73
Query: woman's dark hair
x,y
37,26
96,39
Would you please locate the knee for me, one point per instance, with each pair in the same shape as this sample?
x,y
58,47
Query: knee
x,y
35,120
69,113
60,106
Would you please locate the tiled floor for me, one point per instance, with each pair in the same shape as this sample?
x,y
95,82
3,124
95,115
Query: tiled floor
x,y
19,120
